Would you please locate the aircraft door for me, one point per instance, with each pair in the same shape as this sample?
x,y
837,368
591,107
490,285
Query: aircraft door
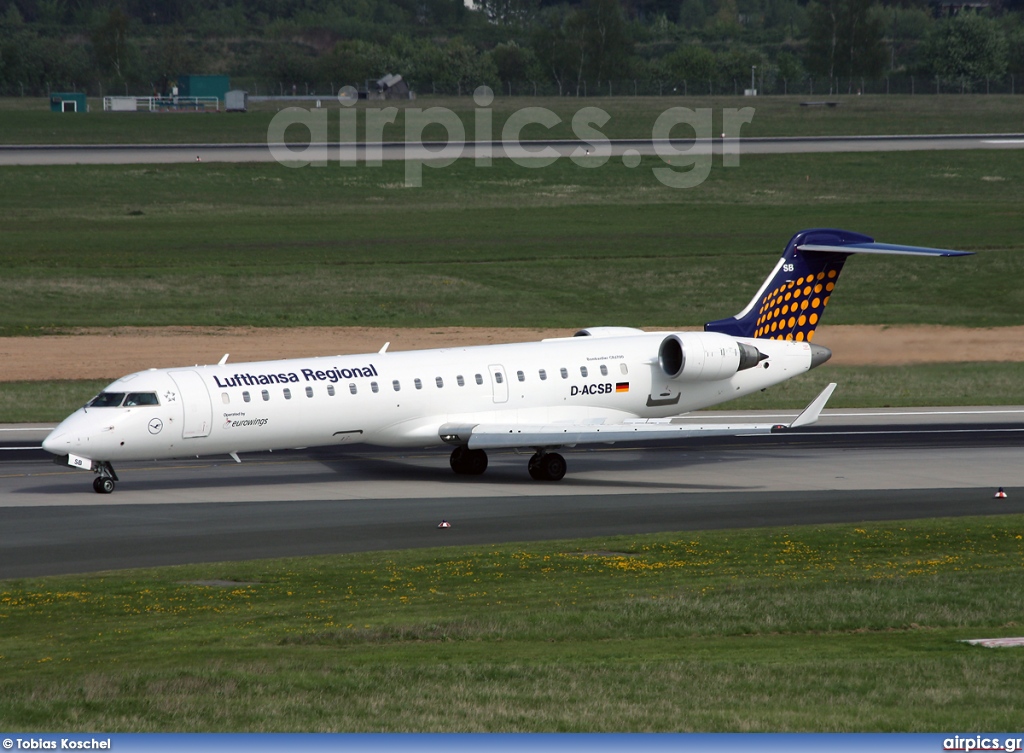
x,y
499,382
196,404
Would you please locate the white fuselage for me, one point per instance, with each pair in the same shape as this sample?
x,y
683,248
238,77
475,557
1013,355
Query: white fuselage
x,y
404,398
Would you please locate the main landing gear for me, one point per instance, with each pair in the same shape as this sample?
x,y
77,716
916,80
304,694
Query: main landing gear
x,y
104,482
546,466
543,466
467,462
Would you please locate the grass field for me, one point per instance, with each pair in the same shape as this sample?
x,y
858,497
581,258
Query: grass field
x,y
833,628
502,246
859,387
28,121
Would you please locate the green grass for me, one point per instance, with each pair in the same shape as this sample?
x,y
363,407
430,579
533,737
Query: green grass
x,y
45,401
28,121
859,387
831,628
562,246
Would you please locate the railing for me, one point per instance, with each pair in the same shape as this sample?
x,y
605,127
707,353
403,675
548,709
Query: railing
x,y
161,104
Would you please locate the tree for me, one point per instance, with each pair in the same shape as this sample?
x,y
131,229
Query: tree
x,y
692,14
513,63
114,51
551,44
508,12
845,40
967,45
692,63
606,41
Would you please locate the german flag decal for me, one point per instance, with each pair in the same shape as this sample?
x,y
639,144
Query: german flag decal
x,y
622,386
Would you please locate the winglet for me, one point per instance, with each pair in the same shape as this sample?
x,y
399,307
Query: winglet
x,y
811,412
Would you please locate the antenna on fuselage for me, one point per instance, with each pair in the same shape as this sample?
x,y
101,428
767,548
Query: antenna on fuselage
x,y
385,347
224,360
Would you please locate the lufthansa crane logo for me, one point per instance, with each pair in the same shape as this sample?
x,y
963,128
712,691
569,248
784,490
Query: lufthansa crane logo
x,y
155,426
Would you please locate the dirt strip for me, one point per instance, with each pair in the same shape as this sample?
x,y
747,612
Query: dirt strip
x,y
102,353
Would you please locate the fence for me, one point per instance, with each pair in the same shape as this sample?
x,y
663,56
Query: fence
x,y
161,104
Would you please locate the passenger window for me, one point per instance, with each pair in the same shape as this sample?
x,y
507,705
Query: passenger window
x,y
225,398
604,370
564,372
461,382
521,375
330,390
374,387
440,382
245,396
623,368
499,377
583,371
309,392
352,388
396,385
417,384
266,395
287,394
543,375
479,379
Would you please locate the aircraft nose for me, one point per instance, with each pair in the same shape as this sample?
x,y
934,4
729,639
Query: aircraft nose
x,y
57,442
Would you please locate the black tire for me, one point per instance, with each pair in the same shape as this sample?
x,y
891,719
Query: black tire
x,y
553,466
458,459
467,462
534,467
103,485
476,462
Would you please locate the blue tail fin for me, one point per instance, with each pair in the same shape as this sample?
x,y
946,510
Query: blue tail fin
x,y
791,301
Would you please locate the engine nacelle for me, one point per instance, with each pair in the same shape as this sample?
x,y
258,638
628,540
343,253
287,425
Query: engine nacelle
x,y
609,332
705,356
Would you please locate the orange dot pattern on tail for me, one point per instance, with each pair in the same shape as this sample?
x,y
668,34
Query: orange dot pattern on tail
x,y
793,309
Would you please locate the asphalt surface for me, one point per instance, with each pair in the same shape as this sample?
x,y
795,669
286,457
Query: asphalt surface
x,y
106,154
852,467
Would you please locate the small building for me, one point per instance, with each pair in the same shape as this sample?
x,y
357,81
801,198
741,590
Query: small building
x,y
391,86
236,100
68,102
203,86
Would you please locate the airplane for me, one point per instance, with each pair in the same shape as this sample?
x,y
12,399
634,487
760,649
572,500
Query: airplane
x,y
602,385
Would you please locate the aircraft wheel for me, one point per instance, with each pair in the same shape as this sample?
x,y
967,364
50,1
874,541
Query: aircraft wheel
x,y
103,485
467,462
549,466
554,466
534,467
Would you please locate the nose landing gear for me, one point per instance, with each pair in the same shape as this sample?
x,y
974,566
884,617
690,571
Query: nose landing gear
x,y
104,482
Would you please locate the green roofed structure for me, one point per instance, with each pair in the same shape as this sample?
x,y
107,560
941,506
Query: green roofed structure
x,y
68,102
203,86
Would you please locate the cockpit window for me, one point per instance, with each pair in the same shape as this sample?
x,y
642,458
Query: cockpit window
x,y
131,399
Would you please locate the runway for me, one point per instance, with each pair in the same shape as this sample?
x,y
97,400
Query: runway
x,y
853,466
114,154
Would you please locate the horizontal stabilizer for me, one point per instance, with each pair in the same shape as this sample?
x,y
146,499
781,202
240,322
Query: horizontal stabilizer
x,y
881,248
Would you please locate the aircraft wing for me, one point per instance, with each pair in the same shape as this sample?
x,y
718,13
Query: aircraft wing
x,y
498,436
